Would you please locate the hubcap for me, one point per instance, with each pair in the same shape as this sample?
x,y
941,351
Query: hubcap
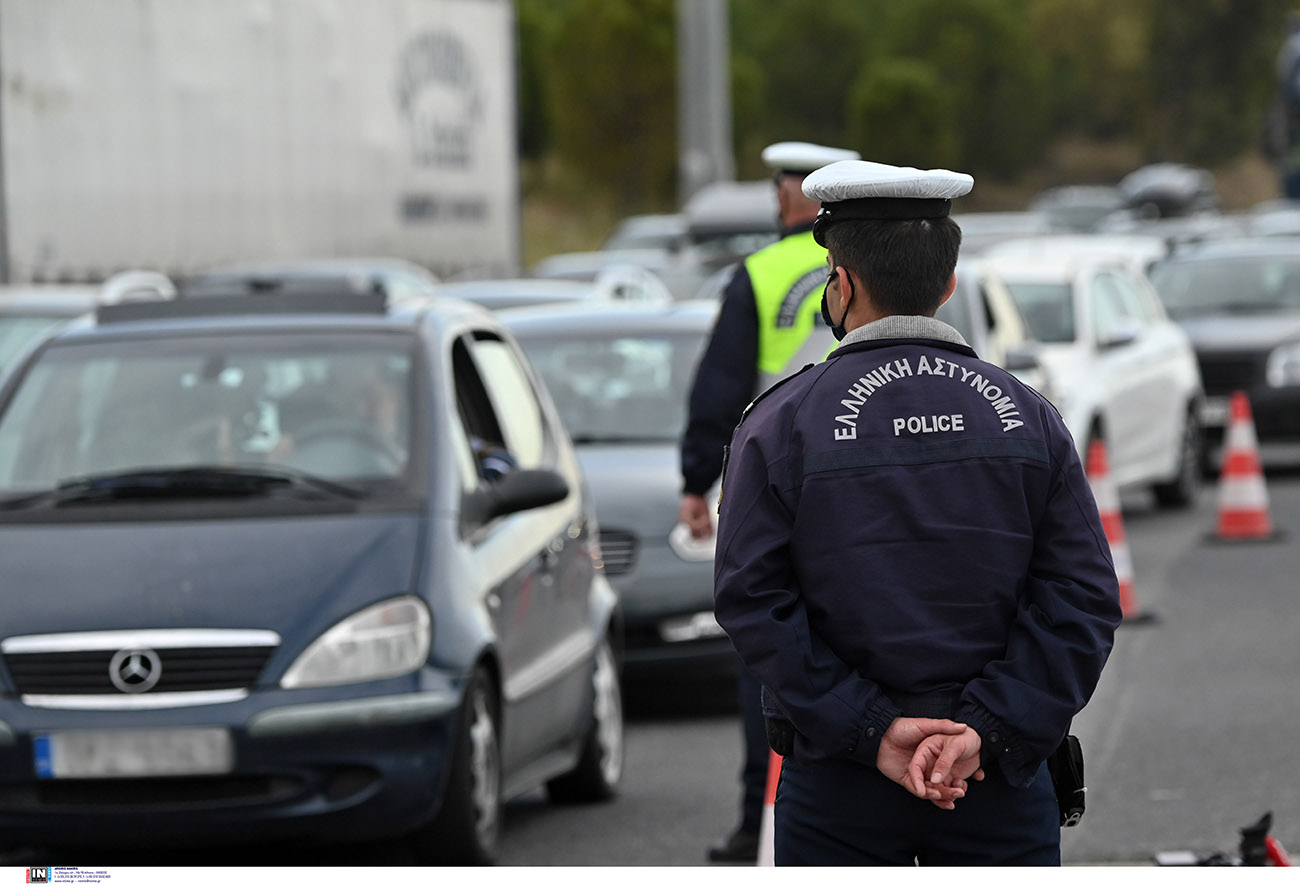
x,y
485,772
608,709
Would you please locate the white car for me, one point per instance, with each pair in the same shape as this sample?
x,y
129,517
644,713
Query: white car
x,y
1118,368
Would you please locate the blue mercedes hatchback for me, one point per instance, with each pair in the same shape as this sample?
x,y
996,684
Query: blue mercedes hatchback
x,y
295,564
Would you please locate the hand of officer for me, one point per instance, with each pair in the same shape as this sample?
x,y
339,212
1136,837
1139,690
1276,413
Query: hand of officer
x,y
695,513
899,746
944,760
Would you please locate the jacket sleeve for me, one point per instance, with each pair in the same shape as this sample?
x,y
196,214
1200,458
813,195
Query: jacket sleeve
x,y
756,600
1022,704
724,384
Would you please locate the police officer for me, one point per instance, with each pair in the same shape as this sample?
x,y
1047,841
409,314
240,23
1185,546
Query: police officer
x,y
910,560
766,328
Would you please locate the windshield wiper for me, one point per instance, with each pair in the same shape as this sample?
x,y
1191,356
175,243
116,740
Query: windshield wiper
x,y
180,483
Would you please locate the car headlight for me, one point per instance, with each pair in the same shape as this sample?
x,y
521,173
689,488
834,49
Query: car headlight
x,y
1283,369
385,640
689,548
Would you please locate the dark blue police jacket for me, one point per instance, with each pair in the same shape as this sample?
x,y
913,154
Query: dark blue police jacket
x,y
905,519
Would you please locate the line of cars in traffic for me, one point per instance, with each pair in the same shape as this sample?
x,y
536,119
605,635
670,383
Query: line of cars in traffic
x,y
254,610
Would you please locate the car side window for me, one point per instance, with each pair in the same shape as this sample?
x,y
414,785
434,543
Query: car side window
x,y
1110,308
513,399
479,429
1138,307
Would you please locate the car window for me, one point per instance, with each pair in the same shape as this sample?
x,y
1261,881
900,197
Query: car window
x,y
1108,306
618,388
1113,306
1235,285
333,408
514,402
18,332
1048,308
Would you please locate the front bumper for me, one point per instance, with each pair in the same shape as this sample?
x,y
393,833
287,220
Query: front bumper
x,y
1275,412
669,628
349,763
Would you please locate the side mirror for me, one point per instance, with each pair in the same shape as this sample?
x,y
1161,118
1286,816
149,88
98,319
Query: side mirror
x,y
515,492
1121,334
1021,358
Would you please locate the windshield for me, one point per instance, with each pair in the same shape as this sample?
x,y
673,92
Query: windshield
x,y
335,407
17,332
619,389
1239,285
1048,308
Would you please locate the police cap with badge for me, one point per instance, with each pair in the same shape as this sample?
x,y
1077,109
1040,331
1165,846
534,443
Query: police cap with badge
x,y
857,190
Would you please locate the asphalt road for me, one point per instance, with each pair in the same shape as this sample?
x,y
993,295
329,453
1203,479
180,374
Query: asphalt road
x,y
1190,736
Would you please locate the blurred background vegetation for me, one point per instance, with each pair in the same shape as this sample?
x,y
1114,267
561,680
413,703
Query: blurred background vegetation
x,y
1022,94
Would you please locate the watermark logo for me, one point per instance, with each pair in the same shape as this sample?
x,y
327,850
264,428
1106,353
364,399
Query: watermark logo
x,y
40,875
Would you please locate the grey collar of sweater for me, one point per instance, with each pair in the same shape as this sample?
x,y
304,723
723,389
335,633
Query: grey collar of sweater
x,y
905,327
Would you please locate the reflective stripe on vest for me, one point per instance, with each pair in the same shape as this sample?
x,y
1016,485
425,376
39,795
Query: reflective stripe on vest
x,y
787,278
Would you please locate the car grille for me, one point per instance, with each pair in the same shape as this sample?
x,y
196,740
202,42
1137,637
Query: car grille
x,y
618,550
1224,373
183,669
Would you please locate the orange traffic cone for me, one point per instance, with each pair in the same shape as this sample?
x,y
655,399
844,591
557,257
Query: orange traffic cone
x,y
1243,498
1107,496
767,825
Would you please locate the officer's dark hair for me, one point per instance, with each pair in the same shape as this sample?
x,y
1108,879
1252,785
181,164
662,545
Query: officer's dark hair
x,y
905,264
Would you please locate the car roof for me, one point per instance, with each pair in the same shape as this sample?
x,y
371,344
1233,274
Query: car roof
x,y
629,318
49,299
587,265
1253,247
732,207
314,267
293,312
1082,244
1057,267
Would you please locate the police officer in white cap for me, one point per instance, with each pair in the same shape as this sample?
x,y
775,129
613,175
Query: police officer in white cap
x,y
768,327
910,560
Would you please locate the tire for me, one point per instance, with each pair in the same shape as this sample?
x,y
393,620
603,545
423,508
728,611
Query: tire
x,y
600,768
467,827
1181,492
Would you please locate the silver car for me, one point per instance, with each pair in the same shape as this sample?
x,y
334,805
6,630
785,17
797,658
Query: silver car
x,y
620,376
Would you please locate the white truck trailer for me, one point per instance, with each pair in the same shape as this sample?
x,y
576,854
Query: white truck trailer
x,y
178,134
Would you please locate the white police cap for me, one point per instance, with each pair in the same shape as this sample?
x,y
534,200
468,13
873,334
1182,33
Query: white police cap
x,y
800,157
854,190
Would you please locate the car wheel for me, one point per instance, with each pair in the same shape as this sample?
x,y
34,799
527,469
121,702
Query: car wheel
x,y
600,769
468,824
1181,492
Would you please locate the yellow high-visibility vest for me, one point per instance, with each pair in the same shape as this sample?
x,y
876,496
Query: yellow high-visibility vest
x,y
787,278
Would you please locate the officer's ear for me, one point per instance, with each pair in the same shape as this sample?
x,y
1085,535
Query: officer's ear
x,y
952,287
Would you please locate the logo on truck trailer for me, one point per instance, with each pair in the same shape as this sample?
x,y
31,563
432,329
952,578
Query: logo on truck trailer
x,y
439,94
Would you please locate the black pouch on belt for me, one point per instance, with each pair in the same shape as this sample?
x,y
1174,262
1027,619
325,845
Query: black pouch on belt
x,y
1066,767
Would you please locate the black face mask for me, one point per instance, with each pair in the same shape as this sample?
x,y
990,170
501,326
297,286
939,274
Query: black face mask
x,y
837,329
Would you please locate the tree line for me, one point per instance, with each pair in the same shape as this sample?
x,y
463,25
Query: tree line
x,y
985,86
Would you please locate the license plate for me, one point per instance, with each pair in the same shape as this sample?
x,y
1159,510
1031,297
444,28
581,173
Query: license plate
x,y
133,753
1214,412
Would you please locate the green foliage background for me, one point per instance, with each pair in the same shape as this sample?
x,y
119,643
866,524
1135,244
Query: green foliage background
x,y
990,87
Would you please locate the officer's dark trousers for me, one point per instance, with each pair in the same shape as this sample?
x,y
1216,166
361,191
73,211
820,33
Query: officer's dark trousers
x,y
753,774
840,813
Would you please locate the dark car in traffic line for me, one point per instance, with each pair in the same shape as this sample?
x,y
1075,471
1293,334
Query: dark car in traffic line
x,y
620,375
256,585
1239,302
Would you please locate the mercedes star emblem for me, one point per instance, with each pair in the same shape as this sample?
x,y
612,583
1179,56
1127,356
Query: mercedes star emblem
x,y
135,670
